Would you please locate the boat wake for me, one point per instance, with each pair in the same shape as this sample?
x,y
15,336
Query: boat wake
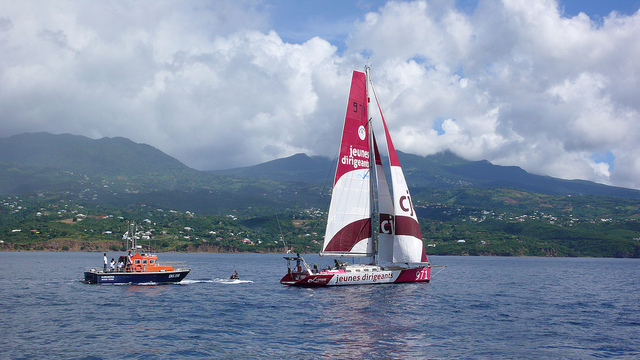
x,y
216,281
233,281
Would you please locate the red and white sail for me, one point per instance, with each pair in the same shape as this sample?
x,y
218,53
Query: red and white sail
x,y
407,246
349,221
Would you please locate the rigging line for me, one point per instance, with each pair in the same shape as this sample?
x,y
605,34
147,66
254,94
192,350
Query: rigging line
x,y
281,234
441,267
329,172
375,96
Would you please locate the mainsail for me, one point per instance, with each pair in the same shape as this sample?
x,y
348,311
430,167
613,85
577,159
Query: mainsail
x,y
349,220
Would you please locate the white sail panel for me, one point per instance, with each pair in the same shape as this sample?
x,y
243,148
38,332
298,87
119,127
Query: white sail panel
x,y
407,245
348,224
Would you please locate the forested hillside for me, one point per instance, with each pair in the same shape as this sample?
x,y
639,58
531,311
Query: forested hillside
x,y
65,193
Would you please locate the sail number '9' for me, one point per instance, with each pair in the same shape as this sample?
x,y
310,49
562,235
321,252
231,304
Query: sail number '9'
x,y
355,107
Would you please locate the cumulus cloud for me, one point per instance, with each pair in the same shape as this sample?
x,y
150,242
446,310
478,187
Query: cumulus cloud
x,y
514,82
213,84
188,78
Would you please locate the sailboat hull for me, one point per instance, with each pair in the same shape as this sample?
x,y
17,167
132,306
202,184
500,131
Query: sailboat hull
x,y
347,277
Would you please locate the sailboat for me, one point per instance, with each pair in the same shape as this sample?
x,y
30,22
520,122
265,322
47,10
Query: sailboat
x,y
362,207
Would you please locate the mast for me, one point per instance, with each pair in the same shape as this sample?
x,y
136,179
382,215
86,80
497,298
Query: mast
x,y
372,171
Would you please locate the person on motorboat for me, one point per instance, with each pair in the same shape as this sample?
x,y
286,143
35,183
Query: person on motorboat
x,y
128,265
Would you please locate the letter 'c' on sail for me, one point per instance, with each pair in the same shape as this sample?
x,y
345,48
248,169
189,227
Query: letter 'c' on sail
x,y
348,223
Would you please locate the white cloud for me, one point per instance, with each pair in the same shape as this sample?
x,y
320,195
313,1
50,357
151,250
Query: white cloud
x,y
539,90
176,77
212,84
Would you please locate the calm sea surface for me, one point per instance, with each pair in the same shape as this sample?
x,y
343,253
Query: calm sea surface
x,y
476,308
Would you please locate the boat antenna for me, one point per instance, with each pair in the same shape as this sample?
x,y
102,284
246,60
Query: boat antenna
x,y
281,234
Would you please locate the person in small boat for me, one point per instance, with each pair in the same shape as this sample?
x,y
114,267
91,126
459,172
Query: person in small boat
x,y
105,262
234,276
298,263
112,265
120,265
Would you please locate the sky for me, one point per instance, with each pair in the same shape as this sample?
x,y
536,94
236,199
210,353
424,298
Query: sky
x,y
550,86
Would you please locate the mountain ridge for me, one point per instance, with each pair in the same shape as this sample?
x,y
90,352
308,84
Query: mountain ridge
x,y
442,170
103,156
35,161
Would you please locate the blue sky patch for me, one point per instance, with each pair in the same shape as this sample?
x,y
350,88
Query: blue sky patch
x,y
604,157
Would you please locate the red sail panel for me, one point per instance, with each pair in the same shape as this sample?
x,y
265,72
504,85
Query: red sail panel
x,y
350,208
354,146
349,236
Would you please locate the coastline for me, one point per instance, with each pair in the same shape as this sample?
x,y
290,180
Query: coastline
x,y
71,245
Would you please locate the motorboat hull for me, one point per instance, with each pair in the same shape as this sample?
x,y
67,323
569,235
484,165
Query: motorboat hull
x,y
162,277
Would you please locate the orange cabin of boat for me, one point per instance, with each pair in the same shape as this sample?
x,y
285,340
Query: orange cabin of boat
x,y
145,263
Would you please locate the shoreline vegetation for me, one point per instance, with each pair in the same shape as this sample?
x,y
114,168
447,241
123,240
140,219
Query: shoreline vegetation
x,y
69,245
473,222
71,193
65,245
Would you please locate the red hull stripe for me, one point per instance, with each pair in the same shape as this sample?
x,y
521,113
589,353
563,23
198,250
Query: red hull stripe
x,y
348,236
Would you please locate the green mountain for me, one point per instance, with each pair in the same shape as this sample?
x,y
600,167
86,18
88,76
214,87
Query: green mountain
x,y
441,171
41,162
117,172
35,162
104,157
297,168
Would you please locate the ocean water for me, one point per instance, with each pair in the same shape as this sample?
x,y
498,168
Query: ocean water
x,y
475,308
